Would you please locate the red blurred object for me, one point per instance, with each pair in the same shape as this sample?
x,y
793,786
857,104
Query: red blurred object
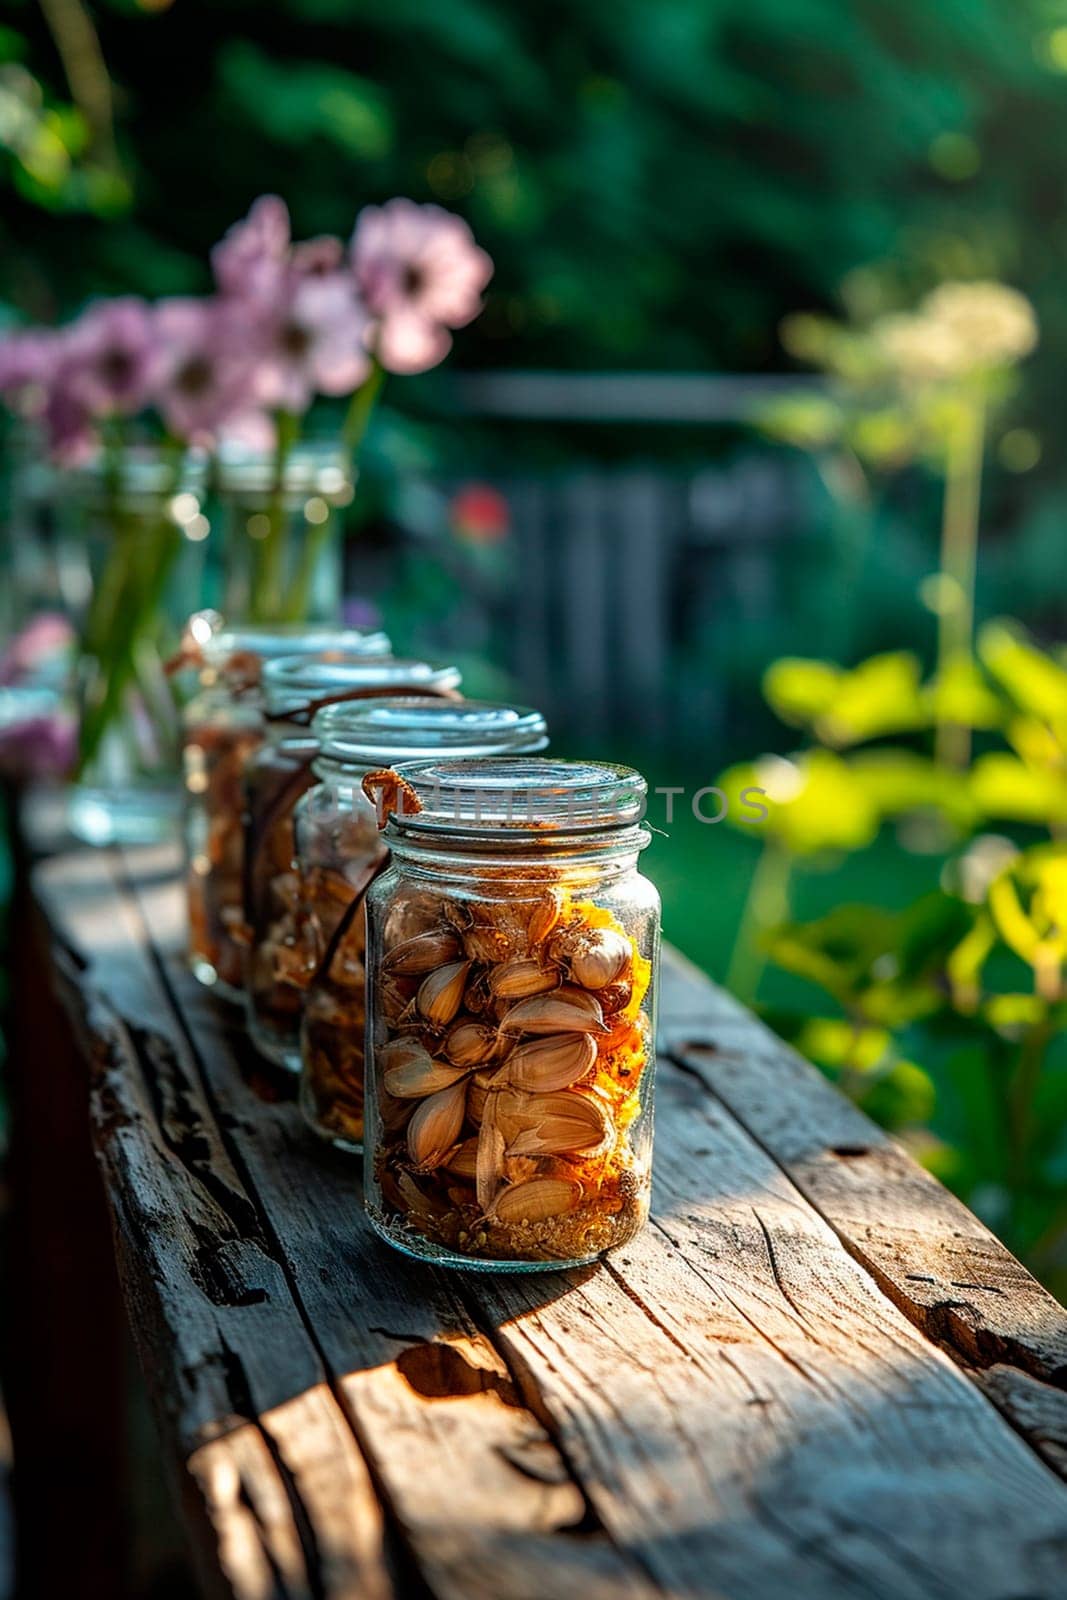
x,y
480,514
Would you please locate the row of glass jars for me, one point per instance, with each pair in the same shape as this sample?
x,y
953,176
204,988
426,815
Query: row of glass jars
x,y
469,994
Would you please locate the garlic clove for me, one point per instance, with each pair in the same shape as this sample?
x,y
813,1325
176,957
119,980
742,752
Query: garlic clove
x,y
441,994
553,1061
536,1200
436,1125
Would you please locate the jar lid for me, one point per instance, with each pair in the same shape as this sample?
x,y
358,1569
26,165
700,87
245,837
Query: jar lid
x,y
494,799
293,682
267,641
408,728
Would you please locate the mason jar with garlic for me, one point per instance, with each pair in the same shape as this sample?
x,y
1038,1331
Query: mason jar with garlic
x,y
513,952
280,953
221,728
339,852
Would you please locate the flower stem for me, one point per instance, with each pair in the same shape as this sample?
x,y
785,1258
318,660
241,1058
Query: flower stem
x,y
353,433
354,427
766,903
959,554
266,599
134,579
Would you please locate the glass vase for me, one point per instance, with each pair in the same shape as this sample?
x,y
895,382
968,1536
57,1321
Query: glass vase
x,y
280,551
142,528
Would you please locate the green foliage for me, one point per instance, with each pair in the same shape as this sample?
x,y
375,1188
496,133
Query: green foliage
x,y
658,180
952,1011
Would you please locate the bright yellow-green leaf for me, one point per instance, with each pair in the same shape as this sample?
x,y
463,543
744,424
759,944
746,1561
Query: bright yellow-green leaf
x,y
899,782
799,690
834,1042
814,802
1004,786
960,696
1013,1012
1036,682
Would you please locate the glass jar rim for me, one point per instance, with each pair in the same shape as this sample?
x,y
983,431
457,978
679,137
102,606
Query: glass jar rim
x,y
271,640
522,801
310,468
411,728
294,682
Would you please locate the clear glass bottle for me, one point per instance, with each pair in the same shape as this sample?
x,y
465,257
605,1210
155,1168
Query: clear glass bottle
x,y
279,959
222,726
511,1016
340,849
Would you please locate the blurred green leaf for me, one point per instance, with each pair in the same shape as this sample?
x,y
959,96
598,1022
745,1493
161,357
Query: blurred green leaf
x,y
1003,786
878,697
1036,682
295,101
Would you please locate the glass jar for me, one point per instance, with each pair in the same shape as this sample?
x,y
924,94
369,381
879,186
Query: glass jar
x,y
137,519
280,957
222,727
282,538
340,850
511,1016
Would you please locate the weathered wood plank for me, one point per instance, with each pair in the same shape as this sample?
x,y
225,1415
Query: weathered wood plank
x,y
479,1492
236,1380
730,1406
751,1416
944,1269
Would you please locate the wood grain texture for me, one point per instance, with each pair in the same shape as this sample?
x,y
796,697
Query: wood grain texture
x,y
748,1410
737,1404
944,1269
227,1359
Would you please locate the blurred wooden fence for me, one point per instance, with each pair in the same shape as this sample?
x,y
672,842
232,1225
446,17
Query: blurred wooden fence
x,y
626,595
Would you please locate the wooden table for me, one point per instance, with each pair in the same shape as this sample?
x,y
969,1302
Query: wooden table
x,y
815,1374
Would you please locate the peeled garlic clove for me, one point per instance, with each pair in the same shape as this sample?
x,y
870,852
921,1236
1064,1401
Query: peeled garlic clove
x,y
553,1062
562,1124
435,1127
440,994
521,977
536,1200
601,957
413,1080
469,1044
565,1011
422,953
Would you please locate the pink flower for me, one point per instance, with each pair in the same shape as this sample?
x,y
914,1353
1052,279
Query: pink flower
x,y
110,357
27,362
69,429
314,258
252,261
313,342
44,639
420,273
208,380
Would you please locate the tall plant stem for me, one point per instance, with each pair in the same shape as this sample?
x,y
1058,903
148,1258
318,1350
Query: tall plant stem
x,y
766,903
353,433
354,427
266,600
959,555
